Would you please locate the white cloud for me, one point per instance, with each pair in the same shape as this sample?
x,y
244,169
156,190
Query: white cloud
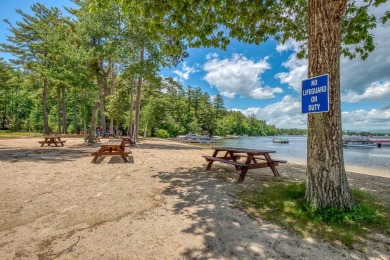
x,y
297,68
363,120
283,114
376,91
239,76
185,72
211,56
289,45
297,72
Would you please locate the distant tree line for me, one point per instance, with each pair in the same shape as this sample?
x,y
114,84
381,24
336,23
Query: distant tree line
x,y
365,133
167,109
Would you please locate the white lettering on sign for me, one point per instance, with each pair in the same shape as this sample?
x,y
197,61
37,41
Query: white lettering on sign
x,y
312,91
313,99
314,107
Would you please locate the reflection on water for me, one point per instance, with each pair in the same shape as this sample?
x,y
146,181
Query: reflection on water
x,y
377,159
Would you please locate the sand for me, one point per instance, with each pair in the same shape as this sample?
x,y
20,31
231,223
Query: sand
x,y
56,204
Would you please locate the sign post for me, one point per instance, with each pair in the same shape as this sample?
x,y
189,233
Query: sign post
x,y
315,94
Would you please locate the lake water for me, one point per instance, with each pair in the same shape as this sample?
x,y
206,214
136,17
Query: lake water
x,y
364,160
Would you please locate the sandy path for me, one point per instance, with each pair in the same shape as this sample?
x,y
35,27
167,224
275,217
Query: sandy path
x,y
56,204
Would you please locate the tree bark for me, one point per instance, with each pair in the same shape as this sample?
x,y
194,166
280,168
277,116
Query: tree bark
x,y
103,118
94,121
327,184
101,81
138,108
112,86
130,130
58,110
75,113
85,129
44,106
112,126
64,123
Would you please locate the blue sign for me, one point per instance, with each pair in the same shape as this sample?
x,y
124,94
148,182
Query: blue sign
x,y
315,94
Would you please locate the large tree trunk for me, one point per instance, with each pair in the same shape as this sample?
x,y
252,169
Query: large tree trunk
x,y
64,124
75,113
130,130
138,104
84,122
138,109
44,107
92,129
112,126
112,86
327,184
58,110
103,118
101,81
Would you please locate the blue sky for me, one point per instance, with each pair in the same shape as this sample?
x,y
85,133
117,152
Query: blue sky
x,y
265,80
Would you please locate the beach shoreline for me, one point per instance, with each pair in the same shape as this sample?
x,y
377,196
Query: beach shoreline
x,y
163,204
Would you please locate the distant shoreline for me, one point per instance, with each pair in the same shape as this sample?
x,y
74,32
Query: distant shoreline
x,y
358,169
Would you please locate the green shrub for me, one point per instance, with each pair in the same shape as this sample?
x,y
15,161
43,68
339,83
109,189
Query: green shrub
x,y
161,133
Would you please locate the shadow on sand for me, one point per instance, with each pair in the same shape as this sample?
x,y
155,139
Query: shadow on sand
x,y
208,200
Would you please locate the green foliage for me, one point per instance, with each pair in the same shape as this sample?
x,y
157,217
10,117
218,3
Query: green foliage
x,y
284,203
161,133
340,216
347,132
71,129
213,23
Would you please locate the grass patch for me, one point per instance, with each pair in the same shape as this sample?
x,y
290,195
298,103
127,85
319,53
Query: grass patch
x,y
12,134
284,204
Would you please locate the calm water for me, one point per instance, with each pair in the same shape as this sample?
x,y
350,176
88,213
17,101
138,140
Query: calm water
x,y
366,160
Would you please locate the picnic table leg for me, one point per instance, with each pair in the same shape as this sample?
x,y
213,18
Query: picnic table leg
x,y
242,174
244,169
122,153
211,162
272,165
124,158
95,158
97,155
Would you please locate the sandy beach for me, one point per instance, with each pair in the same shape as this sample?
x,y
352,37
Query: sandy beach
x,y
163,204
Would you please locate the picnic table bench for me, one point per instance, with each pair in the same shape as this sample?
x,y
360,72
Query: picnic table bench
x,y
111,148
52,139
111,135
254,159
127,139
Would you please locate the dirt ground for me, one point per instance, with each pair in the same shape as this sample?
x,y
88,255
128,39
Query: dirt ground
x,y
56,204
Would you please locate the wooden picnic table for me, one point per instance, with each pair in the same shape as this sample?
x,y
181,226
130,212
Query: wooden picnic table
x,y
111,135
52,139
111,147
254,159
127,139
